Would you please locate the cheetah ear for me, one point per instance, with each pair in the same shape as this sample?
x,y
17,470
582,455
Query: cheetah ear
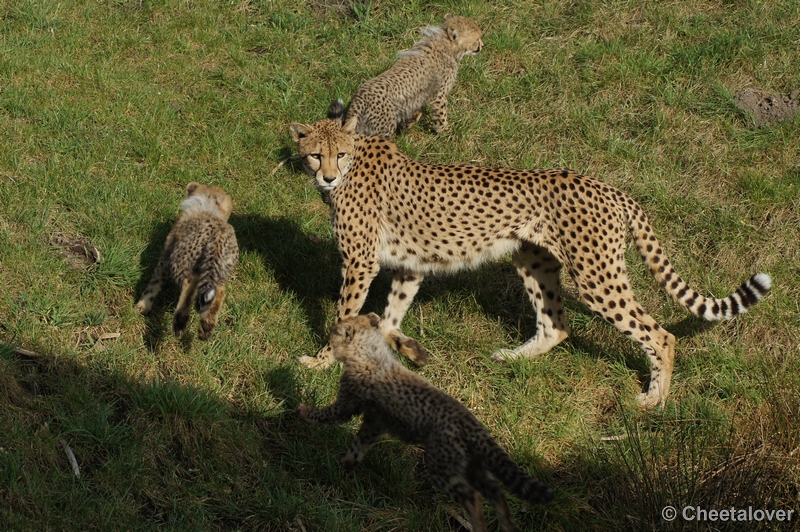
x,y
447,16
374,319
350,125
191,187
299,131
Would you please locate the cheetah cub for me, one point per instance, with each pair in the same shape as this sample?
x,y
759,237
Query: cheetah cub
x,y
424,74
462,457
390,210
199,255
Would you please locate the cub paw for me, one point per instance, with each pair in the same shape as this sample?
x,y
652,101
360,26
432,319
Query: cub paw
x,y
349,462
303,410
143,307
205,329
179,322
323,359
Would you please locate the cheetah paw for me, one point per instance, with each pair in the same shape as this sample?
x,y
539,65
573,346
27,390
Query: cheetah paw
x,y
646,400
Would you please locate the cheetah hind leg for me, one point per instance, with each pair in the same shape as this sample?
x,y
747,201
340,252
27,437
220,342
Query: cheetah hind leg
x,y
540,271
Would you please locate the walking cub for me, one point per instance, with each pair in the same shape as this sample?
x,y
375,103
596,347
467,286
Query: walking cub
x,y
463,459
424,74
390,210
199,255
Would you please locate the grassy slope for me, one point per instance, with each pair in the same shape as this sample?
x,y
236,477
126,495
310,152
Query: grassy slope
x,y
109,109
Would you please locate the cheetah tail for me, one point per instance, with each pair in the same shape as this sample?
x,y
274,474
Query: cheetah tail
x,y
515,479
709,308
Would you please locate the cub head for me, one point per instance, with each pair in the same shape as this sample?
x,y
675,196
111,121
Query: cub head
x,y
207,198
463,34
326,147
357,334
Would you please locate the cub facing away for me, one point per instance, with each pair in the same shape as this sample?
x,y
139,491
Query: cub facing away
x,y
392,211
424,74
463,459
199,255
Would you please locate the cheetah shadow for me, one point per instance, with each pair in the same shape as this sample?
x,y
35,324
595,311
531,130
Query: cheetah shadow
x,y
303,264
159,320
500,295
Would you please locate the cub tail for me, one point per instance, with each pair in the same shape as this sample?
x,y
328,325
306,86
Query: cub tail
x,y
515,479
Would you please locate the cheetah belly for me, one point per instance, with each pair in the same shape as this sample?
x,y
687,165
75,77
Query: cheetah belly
x,y
446,259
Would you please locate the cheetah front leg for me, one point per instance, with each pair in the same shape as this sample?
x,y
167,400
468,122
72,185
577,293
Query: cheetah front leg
x,y
405,286
358,275
540,271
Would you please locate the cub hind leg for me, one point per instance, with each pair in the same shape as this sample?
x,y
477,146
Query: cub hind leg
x,y
490,488
153,288
209,317
181,317
446,473
540,271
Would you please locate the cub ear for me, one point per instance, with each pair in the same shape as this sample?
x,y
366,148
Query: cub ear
x,y
345,331
374,319
448,15
350,125
191,187
299,131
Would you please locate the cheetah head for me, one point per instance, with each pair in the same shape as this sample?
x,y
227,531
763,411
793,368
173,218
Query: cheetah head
x,y
326,148
207,198
464,35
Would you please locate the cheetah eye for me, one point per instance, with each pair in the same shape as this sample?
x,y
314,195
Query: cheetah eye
x,y
316,156
341,154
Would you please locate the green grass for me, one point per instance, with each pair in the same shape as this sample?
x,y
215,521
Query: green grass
x,y
108,109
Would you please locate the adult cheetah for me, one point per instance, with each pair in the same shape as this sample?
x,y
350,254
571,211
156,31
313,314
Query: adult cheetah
x,y
390,210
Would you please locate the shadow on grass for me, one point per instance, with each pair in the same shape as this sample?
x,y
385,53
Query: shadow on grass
x,y
304,265
155,453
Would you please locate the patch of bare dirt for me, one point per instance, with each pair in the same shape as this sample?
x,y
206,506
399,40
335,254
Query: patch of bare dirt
x,y
78,251
767,109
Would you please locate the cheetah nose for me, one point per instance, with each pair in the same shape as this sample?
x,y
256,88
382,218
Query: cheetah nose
x,y
328,179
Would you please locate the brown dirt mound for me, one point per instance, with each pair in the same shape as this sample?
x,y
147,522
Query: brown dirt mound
x,y
767,109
